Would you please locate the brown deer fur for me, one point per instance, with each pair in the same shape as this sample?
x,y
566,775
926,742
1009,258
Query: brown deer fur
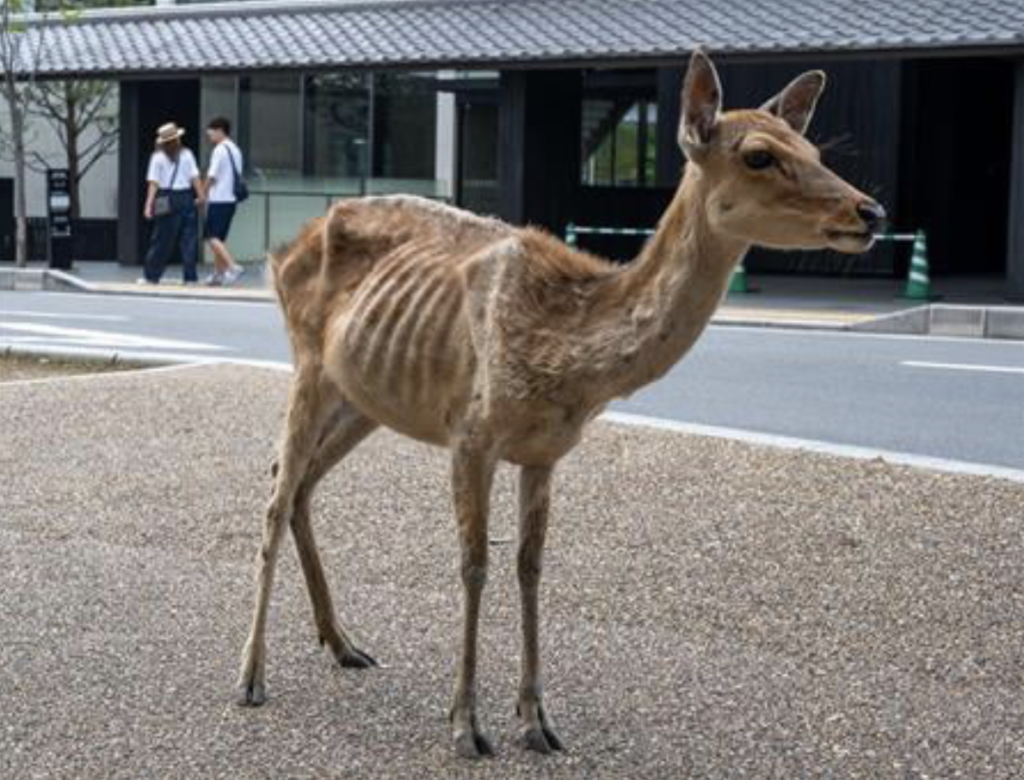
x,y
501,343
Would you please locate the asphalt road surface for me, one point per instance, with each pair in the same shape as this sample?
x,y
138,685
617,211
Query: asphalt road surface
x,y
958,399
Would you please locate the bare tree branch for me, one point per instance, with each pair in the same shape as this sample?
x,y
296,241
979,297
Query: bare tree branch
x,y
109,143
37,162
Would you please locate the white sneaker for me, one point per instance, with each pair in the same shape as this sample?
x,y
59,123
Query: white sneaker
x,y
216,279
233,275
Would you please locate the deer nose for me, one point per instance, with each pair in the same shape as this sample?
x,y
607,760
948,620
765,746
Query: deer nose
x,y
872,214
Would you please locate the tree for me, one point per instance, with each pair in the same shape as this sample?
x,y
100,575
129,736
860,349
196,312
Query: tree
x,y
70,108
73,109
20,54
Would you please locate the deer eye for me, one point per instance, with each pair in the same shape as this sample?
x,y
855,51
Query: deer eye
x,y
759,159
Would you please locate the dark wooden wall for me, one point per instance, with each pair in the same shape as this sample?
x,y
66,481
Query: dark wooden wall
x,y
955,161
1015,213
858,123
539,126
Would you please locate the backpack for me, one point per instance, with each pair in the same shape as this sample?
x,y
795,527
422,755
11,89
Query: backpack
x,y
241,189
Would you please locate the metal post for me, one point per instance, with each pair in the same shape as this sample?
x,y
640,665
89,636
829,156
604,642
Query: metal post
x,y
266,220
1015,237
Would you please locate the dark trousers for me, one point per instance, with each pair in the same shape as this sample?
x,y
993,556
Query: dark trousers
x,y
181,226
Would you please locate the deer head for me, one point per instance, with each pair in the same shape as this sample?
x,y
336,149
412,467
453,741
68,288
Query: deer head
x,y
763,181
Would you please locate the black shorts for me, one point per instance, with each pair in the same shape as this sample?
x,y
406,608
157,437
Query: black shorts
x,y
218,220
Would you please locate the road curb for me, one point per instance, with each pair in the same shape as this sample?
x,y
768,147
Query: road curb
x,y
92,355
42,279
185,294
943,319
62,281
798,444
742,322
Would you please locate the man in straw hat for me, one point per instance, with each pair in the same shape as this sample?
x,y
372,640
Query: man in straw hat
x,y
173,192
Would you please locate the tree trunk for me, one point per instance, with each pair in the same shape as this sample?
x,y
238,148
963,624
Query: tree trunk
x,y
20,181
71,133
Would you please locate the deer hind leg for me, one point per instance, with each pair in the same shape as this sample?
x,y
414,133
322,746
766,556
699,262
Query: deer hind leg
x,y
472,475
347,428
534,502
309,407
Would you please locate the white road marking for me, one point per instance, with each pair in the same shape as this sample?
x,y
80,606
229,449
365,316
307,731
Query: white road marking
x,y
964,367
50,334
51,316
828,448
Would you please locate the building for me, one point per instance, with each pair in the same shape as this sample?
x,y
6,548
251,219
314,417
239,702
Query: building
x,y
558,111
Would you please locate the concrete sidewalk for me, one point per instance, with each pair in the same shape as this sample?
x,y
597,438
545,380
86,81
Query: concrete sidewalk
x,y
711,609
122,280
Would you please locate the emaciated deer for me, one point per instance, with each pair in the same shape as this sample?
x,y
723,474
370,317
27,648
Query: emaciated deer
x,y
502,343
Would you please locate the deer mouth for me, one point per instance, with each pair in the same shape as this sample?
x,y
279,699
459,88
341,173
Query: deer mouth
x,y
850,240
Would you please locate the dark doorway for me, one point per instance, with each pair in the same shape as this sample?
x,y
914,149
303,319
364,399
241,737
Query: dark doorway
x,y
476,176
145,105
7,219
955,161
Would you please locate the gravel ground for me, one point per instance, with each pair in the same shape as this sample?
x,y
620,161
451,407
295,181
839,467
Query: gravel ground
x,y
18,369
712,609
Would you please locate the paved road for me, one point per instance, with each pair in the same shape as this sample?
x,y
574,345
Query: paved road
x,y
946,398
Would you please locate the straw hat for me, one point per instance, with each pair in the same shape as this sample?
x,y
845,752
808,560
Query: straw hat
x,y
169,132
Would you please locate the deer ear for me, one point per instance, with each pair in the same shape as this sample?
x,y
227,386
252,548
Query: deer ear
x,y
701,103
795,104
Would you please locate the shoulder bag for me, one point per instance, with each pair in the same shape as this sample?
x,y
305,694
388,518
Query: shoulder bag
x,y
162,202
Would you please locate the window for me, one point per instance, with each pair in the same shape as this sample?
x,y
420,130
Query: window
x,y
218,97
275,142
404,126
338,124
619,140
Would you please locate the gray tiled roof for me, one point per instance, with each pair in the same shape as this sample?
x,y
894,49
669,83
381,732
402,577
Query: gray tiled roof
x,y
424,33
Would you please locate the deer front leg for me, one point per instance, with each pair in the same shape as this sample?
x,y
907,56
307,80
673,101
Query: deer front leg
x,y
534,502
472,474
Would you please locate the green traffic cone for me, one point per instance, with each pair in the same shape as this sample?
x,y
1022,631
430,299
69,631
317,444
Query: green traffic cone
x,y
738,282
919,285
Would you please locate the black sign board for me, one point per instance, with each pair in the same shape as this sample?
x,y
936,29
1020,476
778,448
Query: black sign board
x,y
58,211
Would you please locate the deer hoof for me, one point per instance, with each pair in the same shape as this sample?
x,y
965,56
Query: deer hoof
x,y
251,694
354,658
542,740
472,744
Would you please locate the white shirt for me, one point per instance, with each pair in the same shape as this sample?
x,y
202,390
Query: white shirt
x,y
223,175
161,167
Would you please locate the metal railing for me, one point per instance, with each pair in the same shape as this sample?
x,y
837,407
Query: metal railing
x,y
738,282
573,231
272,217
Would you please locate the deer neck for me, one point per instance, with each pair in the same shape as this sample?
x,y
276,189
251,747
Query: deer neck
x,y
668,294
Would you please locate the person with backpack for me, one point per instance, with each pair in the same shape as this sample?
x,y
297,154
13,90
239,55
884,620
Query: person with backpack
x,y
225,189
173,192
